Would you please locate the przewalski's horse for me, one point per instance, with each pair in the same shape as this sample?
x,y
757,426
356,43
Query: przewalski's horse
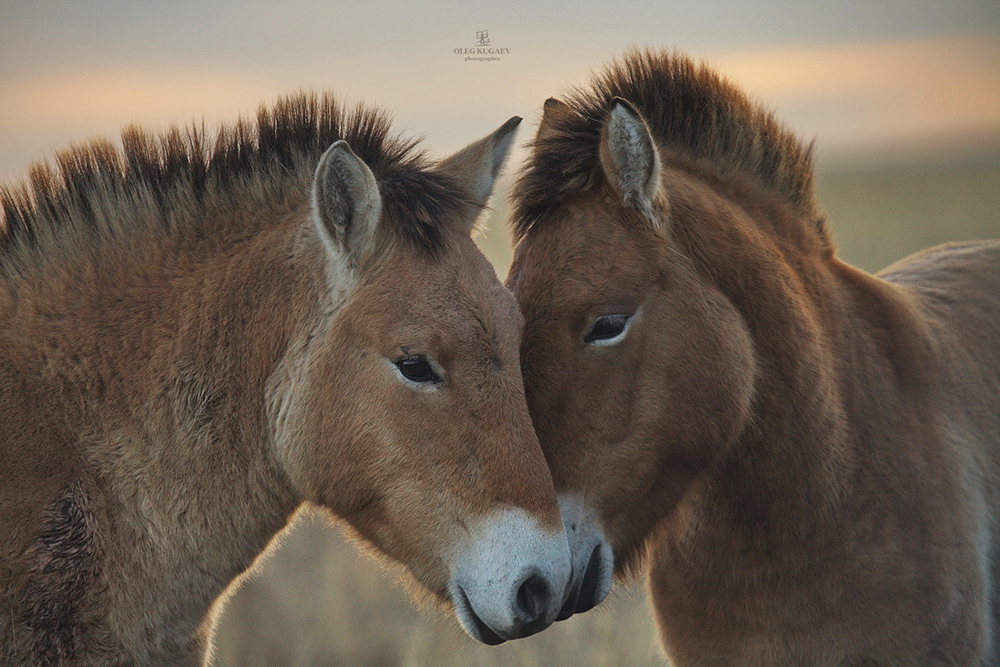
x,y
196,340
808,452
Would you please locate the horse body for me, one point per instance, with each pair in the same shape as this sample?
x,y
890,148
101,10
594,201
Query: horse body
x,y
191,508
880,548
194,346
808,453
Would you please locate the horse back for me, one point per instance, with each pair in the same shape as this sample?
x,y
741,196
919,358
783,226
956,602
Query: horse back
x,y
956,290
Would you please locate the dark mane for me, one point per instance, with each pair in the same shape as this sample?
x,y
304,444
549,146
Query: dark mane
x,y
689,109
97,190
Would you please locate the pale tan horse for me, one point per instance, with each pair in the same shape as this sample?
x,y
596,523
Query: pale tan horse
x,y
197,339
808,454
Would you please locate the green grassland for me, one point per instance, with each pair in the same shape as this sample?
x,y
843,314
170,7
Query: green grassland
x,y
881,214
318,602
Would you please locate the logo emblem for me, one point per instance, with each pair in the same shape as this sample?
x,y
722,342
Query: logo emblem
x,y
483,51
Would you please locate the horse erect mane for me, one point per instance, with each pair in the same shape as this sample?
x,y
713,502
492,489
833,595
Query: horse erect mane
x,y
99,190
689,109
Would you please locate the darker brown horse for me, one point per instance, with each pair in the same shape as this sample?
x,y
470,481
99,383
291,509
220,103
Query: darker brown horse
x,y
807,453
195,339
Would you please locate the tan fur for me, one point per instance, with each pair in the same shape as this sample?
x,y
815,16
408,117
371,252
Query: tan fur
x,y
810,455
180,370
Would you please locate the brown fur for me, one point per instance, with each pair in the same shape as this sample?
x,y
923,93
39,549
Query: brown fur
x,y
809,454
61,564
182,364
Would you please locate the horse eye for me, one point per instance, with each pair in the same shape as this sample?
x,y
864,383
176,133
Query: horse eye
x,y
417,369
606,328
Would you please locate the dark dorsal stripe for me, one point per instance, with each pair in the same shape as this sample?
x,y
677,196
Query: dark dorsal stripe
x,y
689,109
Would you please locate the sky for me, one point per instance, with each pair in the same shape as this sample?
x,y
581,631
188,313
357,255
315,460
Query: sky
x,y
869,80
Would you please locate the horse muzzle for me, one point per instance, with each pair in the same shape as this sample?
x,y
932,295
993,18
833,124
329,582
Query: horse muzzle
x,y
593,559
510,577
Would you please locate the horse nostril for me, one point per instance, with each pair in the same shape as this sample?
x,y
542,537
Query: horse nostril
x,y
533,598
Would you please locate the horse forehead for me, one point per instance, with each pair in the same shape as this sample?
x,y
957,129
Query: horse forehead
x,y
457,293
567,266
472,291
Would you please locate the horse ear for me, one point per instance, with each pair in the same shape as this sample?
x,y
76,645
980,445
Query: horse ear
x,y
346,204
552,111
476,166
629,158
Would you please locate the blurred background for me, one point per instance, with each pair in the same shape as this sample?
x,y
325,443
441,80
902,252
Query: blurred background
x,y
901,96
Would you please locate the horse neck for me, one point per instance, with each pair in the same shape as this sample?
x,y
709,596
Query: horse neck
x,y
162,356
845,367
793,460
845,399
